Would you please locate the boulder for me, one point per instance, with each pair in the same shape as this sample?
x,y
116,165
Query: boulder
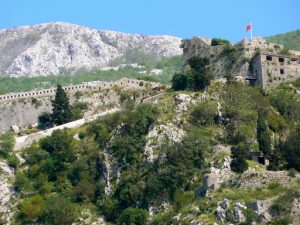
x,y
238,212
262,208
15,128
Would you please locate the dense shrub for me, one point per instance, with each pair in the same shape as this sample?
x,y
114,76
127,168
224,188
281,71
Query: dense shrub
x,y
179,81
205,113
219,41
133,216
285,101
239,156
45,121
200,74
59,211
291,149
7,142
32,208
197,75
263,134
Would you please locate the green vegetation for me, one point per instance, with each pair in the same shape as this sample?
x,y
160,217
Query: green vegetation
x,y
73,172
263,135
239,156
61,109
169,66
7,142
219,41
204,114
290,40
196,77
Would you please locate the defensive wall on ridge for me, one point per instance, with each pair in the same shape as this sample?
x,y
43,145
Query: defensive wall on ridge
x,y
86,86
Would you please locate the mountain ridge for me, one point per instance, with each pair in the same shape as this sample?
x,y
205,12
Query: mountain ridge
x,y
52,48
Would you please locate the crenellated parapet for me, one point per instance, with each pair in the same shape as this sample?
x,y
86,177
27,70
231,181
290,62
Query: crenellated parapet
x,y
85,87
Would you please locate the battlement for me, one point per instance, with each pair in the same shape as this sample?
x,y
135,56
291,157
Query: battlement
x,y
258,44
127,83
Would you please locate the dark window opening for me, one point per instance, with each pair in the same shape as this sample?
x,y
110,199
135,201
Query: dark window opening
x,y
269,58
281,71
281,59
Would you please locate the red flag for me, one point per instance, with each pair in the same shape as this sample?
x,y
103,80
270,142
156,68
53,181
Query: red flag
x,y
249,26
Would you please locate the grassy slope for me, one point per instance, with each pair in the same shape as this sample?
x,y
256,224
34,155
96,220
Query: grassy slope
x,y
290,40
168,65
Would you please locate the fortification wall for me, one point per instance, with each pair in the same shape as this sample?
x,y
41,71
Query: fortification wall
x,y
271,70
87,86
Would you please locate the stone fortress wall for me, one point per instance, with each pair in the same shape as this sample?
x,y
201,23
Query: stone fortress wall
x,y
86,86
263,64
269,66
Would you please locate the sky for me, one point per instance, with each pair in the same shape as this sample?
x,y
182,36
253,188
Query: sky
x,y
183,18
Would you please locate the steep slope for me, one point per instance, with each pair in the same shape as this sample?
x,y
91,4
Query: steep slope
x,y
290,40
57,48
173,161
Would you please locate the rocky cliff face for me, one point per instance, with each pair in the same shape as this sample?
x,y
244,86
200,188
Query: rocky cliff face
x,y
54,48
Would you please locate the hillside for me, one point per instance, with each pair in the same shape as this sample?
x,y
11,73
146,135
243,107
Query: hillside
x,y
184,159
290,40
62,48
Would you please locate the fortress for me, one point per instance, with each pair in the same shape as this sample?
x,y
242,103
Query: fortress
x,y
126,83
263,64
271,63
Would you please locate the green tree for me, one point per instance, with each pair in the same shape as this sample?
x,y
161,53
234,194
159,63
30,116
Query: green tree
x,y
204,114
239,155
133,216
291,149
61,150
61,109
219,41
263,134
59,211
179,81
45,120
200,74
31,209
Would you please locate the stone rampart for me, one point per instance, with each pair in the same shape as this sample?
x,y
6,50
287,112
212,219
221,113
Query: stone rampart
x,y
86,86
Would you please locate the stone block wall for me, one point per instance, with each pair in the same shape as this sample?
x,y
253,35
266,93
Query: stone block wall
x,y
86,86
271,70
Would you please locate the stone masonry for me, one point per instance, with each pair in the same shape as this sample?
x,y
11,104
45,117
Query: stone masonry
x,y
86,86
263,64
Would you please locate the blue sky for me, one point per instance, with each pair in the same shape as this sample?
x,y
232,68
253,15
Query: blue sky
x,y
183,18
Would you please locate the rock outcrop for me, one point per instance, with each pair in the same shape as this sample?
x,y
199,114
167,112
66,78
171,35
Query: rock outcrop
x,y
58,48
226,208
157,136
6,193
182,101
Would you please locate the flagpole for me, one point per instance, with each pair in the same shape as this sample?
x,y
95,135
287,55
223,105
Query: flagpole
x,y
251,30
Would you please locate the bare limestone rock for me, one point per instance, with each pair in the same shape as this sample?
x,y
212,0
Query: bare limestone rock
x,y
262,208
238,212
6,193
87,219
295,211
217,176
157,136
182,101
224,210
58,48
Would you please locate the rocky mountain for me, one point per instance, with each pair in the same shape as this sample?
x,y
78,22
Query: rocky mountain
x,y
54,48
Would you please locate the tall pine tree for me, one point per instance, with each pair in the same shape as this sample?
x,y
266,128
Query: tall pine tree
x,y
263,134
61,109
